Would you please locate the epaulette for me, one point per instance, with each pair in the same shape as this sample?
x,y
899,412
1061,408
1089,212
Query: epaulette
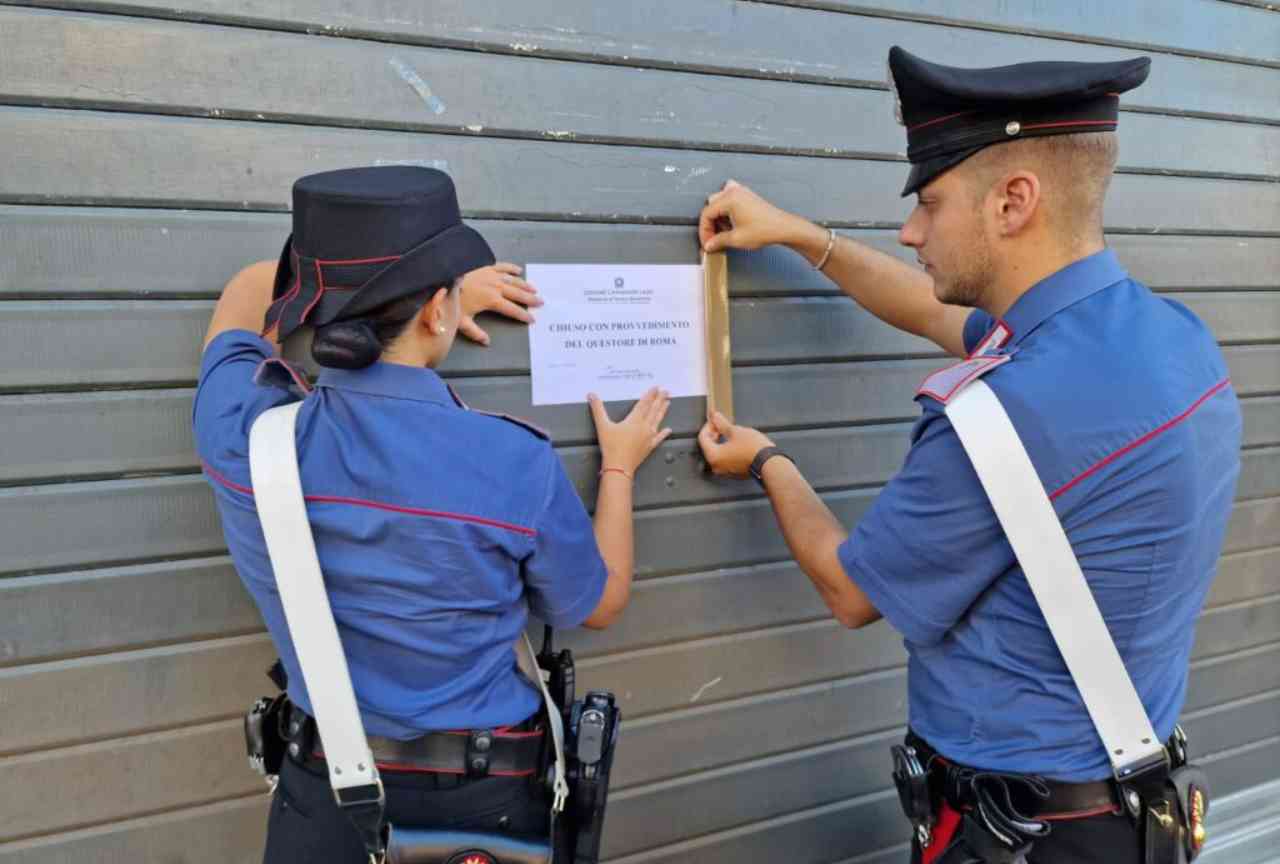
x,y
535,429
519,421
944,384
280,373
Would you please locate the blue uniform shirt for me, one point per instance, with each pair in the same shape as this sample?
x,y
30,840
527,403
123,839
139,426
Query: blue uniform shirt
x,y
1123,402
438,529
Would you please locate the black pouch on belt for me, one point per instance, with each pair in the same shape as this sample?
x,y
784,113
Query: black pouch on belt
x,y
1173,814
264,740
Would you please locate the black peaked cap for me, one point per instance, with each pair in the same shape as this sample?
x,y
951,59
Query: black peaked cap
x,y
363,237
951,113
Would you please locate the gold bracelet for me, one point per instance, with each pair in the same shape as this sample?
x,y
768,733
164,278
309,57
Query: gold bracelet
x,y
604,471
831,244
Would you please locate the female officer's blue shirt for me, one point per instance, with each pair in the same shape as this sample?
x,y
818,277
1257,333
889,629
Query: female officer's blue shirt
x,y
1123,402
438,529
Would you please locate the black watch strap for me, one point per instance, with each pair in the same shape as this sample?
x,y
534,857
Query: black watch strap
x,y
757,464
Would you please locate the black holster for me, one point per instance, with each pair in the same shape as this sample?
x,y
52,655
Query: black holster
x,y
1169,811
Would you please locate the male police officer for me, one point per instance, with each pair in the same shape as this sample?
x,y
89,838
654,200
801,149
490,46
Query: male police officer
x,y
1121,399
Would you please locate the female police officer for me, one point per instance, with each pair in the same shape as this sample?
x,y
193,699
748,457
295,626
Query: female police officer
x,y
438,528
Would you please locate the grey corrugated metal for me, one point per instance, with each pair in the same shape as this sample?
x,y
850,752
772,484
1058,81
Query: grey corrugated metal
x,y
724,36
66,252
758,725
93,157
1245,827
359,83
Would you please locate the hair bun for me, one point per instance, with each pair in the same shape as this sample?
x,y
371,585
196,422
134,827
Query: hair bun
x,y
346,345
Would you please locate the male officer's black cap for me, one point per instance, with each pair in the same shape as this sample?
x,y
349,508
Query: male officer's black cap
x,y
363,237
951,113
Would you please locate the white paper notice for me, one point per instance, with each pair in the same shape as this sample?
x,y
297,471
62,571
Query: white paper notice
x,y
616,330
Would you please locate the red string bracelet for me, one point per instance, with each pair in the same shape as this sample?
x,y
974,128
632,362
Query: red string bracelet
x,y
604,471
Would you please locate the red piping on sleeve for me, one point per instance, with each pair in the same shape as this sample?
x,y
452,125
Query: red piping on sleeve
x,y
415,511
1143,440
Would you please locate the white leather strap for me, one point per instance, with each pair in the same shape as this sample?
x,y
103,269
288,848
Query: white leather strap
x,y
1056,580
528,664
277,490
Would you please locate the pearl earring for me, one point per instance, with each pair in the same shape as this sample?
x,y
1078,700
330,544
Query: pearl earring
x,y
440,330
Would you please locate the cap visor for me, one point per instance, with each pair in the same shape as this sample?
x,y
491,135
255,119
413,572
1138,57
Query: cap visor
x,y
923,173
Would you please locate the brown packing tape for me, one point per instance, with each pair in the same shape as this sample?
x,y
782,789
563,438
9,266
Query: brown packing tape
x,y
715,283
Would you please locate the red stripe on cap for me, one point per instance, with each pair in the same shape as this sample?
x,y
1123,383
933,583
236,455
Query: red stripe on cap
x,y
306,313
1069,123
938,120
358,260
1144,439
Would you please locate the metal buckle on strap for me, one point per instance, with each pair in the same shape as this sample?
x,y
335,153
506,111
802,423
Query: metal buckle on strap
x,y
364,806
1130,772
361,796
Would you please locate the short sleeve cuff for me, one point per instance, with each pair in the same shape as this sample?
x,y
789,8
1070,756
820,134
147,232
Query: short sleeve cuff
x,y
580,609
901,616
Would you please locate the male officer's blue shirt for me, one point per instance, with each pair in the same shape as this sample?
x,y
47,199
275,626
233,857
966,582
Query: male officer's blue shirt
x,y
437,529
1123,401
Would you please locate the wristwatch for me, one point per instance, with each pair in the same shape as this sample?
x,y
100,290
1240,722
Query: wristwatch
x,y
757,464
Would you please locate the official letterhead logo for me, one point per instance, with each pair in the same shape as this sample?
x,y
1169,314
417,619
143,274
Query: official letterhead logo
x,y
618,282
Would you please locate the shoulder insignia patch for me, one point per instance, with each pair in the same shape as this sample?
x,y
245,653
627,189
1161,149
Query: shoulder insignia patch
x,y
997,338
944,384
524,424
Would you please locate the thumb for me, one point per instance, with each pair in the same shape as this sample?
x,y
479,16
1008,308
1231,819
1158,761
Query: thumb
x,y
469,328
707,438
598,414
722,424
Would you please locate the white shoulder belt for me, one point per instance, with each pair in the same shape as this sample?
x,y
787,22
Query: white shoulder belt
x,y
1056,580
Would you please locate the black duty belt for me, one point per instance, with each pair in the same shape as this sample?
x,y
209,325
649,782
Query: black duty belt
x,y
1049,800
503,752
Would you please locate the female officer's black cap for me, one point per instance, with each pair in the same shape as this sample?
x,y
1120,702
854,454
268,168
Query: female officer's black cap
x,y
951,113
363,237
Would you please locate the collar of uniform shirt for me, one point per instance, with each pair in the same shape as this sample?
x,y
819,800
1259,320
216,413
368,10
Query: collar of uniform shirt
x,y
393,380
1054,293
